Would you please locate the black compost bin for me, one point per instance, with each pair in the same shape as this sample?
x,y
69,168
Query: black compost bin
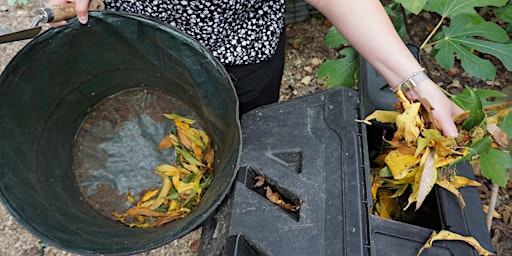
x,y
118,68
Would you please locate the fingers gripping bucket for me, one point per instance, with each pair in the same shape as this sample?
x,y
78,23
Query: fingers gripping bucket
x,y
56,81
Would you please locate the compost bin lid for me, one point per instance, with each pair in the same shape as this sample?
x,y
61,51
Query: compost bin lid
x,y
48,89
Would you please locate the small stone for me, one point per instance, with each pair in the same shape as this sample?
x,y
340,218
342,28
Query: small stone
x,y
316,61
306,80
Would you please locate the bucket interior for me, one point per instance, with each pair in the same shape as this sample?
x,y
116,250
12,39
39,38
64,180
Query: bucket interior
x,y
63,78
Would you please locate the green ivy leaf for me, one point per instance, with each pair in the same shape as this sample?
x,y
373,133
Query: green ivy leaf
x,y
459,39
476,112
495,164
341,71
463,99
334,39
414,6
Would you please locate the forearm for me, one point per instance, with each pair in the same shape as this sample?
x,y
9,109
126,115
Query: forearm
x,y
367,27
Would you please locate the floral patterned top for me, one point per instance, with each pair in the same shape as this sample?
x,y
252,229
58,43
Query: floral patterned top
x,y
235,31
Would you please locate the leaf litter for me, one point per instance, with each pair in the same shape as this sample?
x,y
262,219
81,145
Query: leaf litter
x,y
183,182
419,156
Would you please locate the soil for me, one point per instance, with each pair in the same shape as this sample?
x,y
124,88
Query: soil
x,y
305,53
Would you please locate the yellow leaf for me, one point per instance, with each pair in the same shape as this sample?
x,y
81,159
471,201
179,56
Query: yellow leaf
x,y
375,187
168,170
425,140
385,206
166,186
428,177
409,123
448,186
461,181
130,198
176,117
399,164
381,116
447,235
149,194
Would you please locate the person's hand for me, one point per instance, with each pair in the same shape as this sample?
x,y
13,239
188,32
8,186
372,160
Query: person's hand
x,y
81,7
444,108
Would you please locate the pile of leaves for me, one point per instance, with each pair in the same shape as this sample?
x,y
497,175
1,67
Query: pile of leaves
x,y
183,183
419,156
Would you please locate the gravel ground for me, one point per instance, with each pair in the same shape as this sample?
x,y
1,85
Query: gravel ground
x,y
299,79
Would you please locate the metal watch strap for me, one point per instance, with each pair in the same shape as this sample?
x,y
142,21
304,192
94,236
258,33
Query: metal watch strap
x,y
412,80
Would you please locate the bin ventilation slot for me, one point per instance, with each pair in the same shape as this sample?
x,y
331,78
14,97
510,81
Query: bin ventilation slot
x,y
248,175
239,246
291,160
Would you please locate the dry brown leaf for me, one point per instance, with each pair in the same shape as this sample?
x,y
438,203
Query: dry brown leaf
x,y
260,180
165,143
498,135
275,198
143,211
428,116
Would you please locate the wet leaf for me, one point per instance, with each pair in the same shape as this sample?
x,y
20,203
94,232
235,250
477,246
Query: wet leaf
x,y
447,235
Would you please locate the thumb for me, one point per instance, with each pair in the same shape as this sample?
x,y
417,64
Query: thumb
x,y
81,7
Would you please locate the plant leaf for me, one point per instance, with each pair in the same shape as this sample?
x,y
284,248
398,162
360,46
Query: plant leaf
x,y
414,6
459,39
476,112
452,8
447,235
399,164
334,39
342,71
463,99
452,189
477,148
428,178
382,116
495,164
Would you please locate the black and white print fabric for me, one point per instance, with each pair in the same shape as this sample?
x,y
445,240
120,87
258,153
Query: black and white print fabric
x,y
236,31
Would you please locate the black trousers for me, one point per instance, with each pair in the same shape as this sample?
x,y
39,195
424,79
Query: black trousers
x,y
258,84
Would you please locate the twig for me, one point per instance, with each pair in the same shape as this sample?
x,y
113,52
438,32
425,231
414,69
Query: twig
x,y
492,205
